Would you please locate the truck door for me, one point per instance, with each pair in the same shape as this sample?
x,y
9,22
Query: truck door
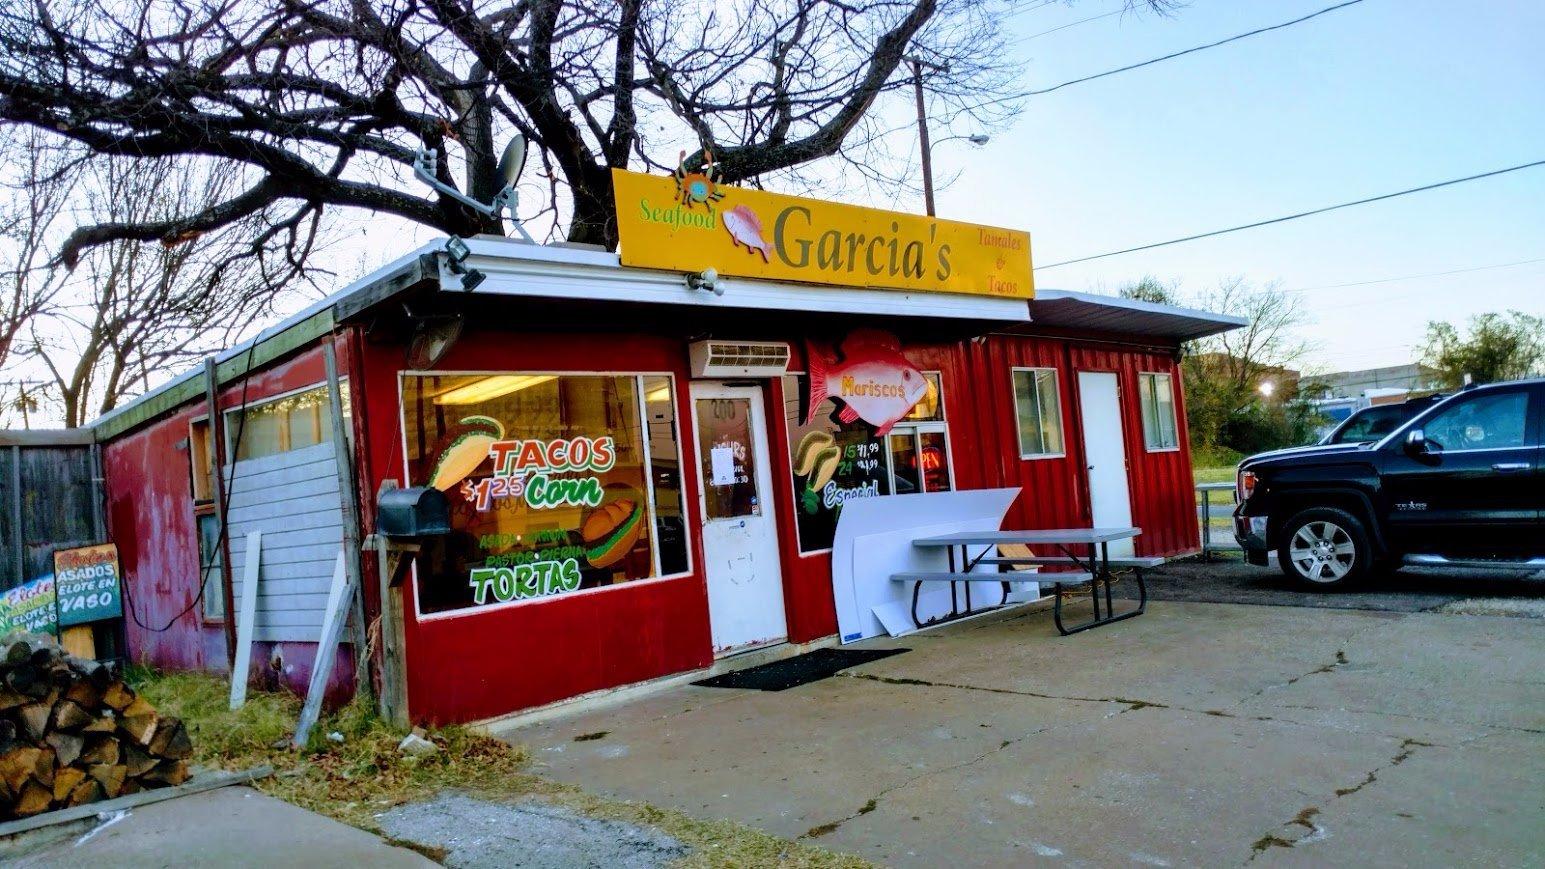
x,y
1473,487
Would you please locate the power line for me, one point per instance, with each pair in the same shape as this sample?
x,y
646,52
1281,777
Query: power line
x,y
1193,50
1415,277
1286,218
1024,39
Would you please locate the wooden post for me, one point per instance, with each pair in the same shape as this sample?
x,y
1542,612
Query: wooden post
x,y
247,626
20,544
217,470
393,702
348,496
327,649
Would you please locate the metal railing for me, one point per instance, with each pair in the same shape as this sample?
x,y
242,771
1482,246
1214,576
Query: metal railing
x,y
1206,511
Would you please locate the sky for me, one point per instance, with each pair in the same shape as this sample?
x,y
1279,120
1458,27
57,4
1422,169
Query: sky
x,y
1380,96
1377,97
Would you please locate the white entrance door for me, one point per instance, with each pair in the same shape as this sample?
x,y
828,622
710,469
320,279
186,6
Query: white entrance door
x,y
1105,453
740,535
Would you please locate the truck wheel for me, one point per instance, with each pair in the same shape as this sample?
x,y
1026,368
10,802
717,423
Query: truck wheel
x,y
1325,547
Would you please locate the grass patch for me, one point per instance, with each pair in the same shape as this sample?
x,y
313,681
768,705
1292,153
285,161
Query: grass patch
x,y
364,775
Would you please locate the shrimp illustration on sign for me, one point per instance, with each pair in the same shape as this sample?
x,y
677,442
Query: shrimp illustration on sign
x,y
746,228
873,380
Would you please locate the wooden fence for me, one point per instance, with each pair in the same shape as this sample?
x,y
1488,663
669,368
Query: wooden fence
x,y
50,498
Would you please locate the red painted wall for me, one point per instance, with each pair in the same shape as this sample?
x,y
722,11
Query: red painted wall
x,y
150,516
490,662
984,447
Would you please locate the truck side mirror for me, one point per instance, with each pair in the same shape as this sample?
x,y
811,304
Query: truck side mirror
x,y
1416,443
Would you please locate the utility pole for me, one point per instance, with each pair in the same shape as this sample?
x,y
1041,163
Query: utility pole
x,y
922,125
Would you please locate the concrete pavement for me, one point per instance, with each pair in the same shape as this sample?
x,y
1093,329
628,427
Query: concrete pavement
x,y
229,827
1199,734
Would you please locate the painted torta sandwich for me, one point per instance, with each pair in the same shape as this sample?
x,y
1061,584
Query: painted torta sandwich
x,y
610,531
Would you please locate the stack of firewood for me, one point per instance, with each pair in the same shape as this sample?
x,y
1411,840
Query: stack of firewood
x,y
72,732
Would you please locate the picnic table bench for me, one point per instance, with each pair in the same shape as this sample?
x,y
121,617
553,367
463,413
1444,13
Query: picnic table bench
x,y
1094,567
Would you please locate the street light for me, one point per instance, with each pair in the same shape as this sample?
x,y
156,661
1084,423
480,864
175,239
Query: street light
x,y
977,139
1267,388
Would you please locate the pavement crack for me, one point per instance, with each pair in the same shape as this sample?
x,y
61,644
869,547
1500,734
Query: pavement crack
x,y
1408,747
1131,704
1303,830
873,803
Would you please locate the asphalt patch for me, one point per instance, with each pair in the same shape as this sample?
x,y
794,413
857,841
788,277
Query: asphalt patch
x,y
468,833
798,670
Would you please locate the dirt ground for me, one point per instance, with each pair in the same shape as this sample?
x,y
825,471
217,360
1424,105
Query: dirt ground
x,y
1370,729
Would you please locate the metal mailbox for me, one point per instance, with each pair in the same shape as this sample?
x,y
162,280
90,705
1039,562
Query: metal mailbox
x,y
420,511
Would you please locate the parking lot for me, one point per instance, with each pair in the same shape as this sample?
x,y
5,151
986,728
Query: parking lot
x,y
1381,727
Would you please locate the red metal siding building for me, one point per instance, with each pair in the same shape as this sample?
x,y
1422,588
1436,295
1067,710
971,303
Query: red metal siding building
x,y
607,347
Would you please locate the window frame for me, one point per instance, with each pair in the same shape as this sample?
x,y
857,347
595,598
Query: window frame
x,y
917,427
225,415
1174,412
209,453
638,385
203,509
1062,431
200,513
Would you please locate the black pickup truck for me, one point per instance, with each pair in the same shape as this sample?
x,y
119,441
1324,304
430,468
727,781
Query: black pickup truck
x,y
1461,484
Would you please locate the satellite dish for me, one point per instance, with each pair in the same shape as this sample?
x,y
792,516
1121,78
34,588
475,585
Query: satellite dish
x,y
513,161
432,339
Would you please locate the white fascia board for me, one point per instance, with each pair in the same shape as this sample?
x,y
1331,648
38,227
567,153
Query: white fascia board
x,y
519,269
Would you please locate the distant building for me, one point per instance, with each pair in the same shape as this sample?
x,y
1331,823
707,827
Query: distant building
x,y
1352,384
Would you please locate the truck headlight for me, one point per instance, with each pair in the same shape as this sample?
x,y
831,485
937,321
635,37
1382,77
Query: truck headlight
x,y
1245,487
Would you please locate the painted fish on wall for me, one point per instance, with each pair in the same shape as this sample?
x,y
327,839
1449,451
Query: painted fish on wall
x,y
872,379
746,228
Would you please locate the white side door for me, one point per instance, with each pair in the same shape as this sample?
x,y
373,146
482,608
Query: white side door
x,y
740,532
1105,454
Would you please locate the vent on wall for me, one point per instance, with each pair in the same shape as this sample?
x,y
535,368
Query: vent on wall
x,y
739,358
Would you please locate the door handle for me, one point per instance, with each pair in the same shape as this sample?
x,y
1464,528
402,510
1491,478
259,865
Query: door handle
x,y
1510,466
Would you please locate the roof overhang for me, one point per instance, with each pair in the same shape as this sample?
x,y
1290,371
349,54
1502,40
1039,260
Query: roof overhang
x,y
516,268
1088,312
551,274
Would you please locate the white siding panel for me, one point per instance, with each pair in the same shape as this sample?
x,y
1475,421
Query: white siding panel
x,y
311,469
293,499
292,491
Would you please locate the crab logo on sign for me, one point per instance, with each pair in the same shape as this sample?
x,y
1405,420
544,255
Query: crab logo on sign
x,y
700,187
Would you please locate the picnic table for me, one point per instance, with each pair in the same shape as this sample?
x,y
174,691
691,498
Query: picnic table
x,y
1093,567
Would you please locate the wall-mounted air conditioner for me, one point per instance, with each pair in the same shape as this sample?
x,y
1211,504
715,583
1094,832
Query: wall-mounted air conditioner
x,y
739,358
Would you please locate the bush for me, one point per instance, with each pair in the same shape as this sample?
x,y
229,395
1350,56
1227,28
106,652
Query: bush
x,y
1259,428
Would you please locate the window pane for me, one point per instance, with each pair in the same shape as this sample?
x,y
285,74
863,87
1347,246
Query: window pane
x,y
1164,389
210,556
665,467
1038,408
1150,417
935,461
290,423
1028,412
256,433
904,468
930,408
1491,421
1050,403
200,457
546,479
831,462
724,439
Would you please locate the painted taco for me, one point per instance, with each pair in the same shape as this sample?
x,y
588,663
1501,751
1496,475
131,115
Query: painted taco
x,y
610,531
466,446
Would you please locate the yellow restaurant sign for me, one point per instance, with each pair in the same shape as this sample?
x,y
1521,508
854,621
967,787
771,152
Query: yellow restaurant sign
x,y
694,224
